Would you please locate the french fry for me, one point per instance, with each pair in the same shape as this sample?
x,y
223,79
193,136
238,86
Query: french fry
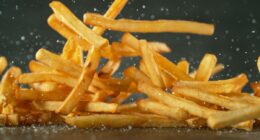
x,y
110,67
99,96
3,64
211,98
167,79
135,74
219,87
218,68
71,21
47,105
150,64
258,63
72,52
246,125
45,86
130,107
244,97
8,85
145,26
85,79
12,119
160,109
143,68
9,119
47,76
58,63
206,67
158,121
184,66
174,101
8,109
122,50
256,88
66,32
196,122
36,66
55,95
228,118
121,97
107,120
111,13
163,62
159,47
113,84
101,107
3,119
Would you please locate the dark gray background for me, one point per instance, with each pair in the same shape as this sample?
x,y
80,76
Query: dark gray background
x,y
23,29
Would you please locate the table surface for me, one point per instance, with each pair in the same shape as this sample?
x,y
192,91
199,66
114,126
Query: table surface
x,y
71,133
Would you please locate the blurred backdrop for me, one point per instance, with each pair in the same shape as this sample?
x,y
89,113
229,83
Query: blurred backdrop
x,y
236,42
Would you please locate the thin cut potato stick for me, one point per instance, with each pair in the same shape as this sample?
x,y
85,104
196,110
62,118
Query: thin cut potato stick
x,y
219,87
211,98
8,85
111,13
130,107
244,97
158,121
72,52
256,88
114,84
9,119
122,50
85,79
108,120
258,63
3,64
143,68
122,96
56,95
150,64
174,101
228,118
33,95
196,122
146,26
163,62
161,109
49,77
58,63
45,86
110,67
36,66
101,107
66,32
206,67
167,79
46,105
137,75
68,18
61,28
184,66
246,125
218,68
159,47
98,96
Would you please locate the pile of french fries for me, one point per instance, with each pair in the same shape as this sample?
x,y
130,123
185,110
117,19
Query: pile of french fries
x,y
65,88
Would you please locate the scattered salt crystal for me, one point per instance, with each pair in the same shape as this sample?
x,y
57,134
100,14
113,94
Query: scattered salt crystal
x,y
23,38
